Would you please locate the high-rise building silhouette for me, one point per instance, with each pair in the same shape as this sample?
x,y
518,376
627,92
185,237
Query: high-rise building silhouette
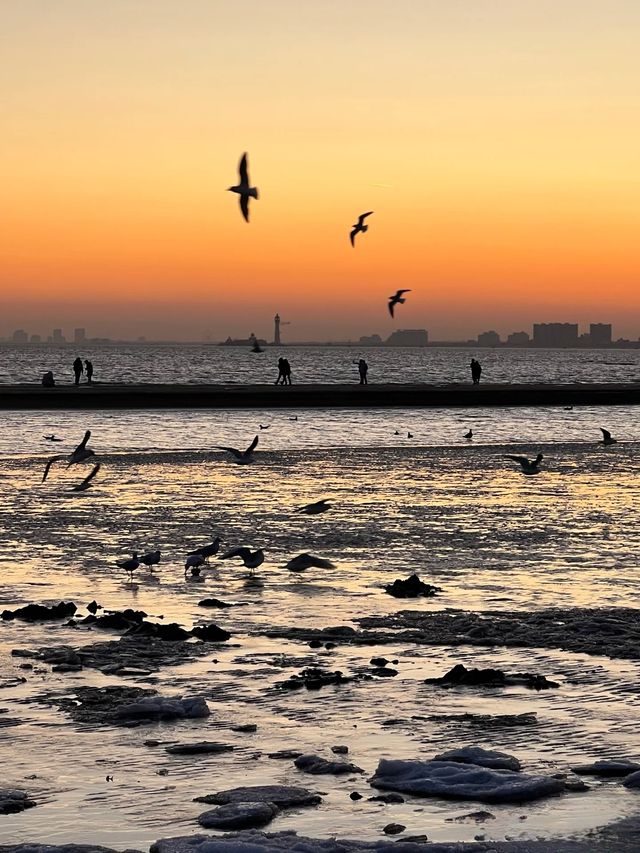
x,y
489,339
555,334
79,336
58,337
600,334
19,336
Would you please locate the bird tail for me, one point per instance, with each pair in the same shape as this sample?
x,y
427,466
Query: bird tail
x,y
253,192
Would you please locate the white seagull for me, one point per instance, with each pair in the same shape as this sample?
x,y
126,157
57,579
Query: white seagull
x,y
315,508
244,189
396,299
242,457
86,483
606,438
359,226
529,466
308,561
251,559
81,453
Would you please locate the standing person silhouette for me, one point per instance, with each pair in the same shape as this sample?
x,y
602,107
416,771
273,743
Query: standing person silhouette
x,y
78,369
476,370
286,371
88,369
280,379
363,368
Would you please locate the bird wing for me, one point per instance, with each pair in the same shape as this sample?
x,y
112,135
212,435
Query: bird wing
x,y
49,464
242,551
232,450
400,292
363,216
251,447
91,475
84,441
321,563
353,234
522,460
244,206
605,432
391,304
242,169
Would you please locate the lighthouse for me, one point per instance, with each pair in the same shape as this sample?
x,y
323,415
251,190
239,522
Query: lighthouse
x,y
276,330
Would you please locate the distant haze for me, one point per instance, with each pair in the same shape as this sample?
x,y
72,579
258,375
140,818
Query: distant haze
x,y
497,143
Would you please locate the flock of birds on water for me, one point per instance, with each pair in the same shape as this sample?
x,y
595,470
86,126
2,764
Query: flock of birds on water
x,y
199,557
246,192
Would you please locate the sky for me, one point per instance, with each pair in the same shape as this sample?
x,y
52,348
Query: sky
x,y
496,142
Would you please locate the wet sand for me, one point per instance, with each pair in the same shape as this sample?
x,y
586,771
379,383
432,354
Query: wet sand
x,y
157,396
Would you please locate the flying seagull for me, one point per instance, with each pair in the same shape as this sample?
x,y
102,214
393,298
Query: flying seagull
x,y
81,453
359,226
308,561
86,483
244,189
529,466
315,508
397,298
241,456
251,559
606,438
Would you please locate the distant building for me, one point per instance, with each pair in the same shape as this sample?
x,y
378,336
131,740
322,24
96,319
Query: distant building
x,y
20,337
600,334
489,339
518,339
370,340
408,338
79,336
555,334
35,339
58,337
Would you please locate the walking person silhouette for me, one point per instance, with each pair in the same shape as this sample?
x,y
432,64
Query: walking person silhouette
x,y
78,369
88,369
363,368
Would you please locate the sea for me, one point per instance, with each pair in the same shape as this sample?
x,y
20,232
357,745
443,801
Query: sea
x,y
409,493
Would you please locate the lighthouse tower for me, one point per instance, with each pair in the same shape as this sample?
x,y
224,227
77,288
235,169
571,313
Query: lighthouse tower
x,y
276,330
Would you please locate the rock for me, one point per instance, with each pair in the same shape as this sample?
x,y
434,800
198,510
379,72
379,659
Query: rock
x,y
170,632
340,749
384,672
608,767
284,754
451,780
283,796
161,708
40,613
481,758
93,607
116,620
313,678
393,828
475,817
378,661
245,728
411,587
213,602
12,801
210,633
317,765
203,747
239,816
460,676
61,656
315,644
151,742
633,780
354,795
390,799
66,667
489,721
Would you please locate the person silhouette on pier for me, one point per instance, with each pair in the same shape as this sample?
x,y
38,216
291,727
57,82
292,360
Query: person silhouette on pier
x,y
78,369
476,371
363,369
88,369
280,379
286,372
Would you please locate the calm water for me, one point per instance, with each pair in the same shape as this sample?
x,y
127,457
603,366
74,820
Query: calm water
x,y
456,512
213,364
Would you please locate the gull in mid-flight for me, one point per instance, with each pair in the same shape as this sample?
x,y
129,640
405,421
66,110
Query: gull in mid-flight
x,y
308,561
81,453
359,226
396,299
241,456
86,483
251,559
315,508
529,466
606,438
244,188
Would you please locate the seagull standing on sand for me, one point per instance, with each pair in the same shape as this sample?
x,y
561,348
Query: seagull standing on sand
x,y
194,561
308,561
242,457
244,188
315,508
151,559
359,226
251,559
529,466
606,438
86,483
81,453
396,299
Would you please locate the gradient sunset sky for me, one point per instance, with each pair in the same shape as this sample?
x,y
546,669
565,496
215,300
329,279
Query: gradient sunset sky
x,y
497,142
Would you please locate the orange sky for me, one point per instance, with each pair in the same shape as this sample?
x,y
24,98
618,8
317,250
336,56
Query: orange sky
x,y
497,143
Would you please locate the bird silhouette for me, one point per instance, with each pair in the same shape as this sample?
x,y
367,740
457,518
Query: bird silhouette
x,y
396,299
244,188
81,453
308,561
251,559
86,483
52,437
529,466
130,565
242,457
207,551
469,435
359,226
152,558
606,438
315,508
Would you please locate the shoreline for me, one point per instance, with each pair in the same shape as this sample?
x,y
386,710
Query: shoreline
x,y
181,396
